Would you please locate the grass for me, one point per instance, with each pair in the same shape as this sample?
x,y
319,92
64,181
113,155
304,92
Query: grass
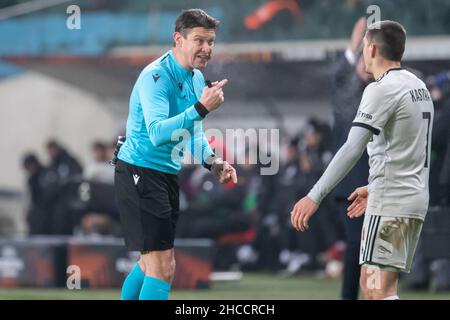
x,y
253,286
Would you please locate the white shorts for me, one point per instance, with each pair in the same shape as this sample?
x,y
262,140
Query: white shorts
x,y
389,242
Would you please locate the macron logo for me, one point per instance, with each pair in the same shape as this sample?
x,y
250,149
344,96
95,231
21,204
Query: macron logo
x,y
136,178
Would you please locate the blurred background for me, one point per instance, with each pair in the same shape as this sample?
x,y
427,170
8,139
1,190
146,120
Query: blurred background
x,y
292,65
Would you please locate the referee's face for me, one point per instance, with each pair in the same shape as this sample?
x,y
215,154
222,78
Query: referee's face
x,y
197,46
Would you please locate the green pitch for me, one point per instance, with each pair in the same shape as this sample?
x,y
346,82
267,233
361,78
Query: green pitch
x,y
252,286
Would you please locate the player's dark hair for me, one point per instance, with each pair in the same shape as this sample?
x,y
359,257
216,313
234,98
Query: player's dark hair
x,y
193,18
390,36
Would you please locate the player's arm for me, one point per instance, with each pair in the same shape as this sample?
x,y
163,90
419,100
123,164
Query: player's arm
x,y
343,161
341,164
374,112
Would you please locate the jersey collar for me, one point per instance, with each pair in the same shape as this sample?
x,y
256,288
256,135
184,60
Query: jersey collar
x,y
384,74
180,73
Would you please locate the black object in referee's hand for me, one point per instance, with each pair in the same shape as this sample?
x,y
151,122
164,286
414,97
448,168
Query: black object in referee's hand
x,y
208,83
120,142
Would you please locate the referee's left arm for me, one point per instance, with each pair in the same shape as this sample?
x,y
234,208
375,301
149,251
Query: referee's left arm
x,y
200,148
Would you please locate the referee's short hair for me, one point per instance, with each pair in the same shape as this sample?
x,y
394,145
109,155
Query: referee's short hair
x,y
390,36
193,18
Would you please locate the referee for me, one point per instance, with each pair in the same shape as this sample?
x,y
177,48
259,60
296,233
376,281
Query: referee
x,y
170,95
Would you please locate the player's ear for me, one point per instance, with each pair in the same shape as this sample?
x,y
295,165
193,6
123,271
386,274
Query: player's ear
x,y
373,50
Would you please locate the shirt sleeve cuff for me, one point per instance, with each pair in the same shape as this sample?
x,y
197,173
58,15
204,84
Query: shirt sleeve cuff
x,y
350,56
202,111
314,196
209,161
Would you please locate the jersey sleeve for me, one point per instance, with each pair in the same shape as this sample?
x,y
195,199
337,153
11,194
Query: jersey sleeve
x,y
341,164
154,93
375,109
199,146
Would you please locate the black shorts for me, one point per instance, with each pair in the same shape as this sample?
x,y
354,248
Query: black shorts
x,y
148,202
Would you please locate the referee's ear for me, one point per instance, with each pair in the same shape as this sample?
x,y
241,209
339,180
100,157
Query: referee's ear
x,y
177,41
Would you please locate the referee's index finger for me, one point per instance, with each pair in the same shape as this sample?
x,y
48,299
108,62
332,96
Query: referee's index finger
x,y
221,84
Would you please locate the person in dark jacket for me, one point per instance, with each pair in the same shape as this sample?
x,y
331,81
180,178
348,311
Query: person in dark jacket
x,y
68,172
43,191
348,86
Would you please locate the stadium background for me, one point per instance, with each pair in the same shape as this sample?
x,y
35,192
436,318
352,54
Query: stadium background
x,y
71,87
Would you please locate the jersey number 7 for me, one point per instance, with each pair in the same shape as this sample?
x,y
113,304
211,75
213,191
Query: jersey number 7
x,y
427,116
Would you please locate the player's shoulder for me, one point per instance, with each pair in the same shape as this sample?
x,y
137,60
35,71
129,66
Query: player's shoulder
x,y
375,89
401,78
390,83
414,77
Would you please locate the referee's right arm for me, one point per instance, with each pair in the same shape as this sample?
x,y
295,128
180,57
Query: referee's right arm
x,y
154,97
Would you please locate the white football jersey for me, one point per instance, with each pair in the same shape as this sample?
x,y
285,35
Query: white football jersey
x,y
398,109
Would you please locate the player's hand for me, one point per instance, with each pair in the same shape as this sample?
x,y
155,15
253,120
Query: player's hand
x,y
302,212
359,204
213,97
358,34
224,171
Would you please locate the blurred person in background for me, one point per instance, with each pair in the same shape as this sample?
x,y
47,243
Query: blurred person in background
x,y
43,192
307,158
68,172
62,162
315,154
427,270
99,170
439,85
99,214
263,251
288,184
349,81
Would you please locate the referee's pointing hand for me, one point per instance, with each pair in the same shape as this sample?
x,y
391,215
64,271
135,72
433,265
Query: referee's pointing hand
x,y
213,97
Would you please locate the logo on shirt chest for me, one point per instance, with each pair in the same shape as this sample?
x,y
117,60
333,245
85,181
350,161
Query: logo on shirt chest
x,y
187,92
183,94
156,77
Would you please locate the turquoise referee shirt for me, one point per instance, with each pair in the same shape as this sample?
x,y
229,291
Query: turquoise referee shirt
x,y
161,103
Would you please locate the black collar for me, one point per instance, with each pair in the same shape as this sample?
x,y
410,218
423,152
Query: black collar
x,y
392,69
